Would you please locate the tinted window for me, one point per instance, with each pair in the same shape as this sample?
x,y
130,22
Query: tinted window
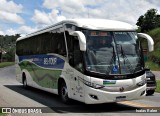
x,y
48,42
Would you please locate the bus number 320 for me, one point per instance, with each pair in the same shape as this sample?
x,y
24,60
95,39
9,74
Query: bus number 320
x,y
50,61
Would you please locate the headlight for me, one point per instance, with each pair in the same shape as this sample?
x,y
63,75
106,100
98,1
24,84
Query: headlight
x,y
96,86
93,85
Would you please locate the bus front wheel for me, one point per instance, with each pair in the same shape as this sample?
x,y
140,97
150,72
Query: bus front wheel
x,y
64,93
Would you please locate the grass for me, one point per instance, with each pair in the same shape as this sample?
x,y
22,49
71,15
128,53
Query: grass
x,y
156,53
158,86
153,66
5,64
2,114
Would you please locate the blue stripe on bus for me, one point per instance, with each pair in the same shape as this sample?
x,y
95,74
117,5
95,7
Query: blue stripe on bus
x,y
46,61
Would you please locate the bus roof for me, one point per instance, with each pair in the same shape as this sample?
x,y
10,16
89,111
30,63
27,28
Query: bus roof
x,y
93,24
101,24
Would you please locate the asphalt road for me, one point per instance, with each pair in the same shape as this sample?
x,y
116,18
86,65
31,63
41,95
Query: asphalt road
x,y
13,95
157,74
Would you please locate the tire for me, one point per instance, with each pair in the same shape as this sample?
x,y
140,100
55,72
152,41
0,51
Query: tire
x,y
150,92
25,82
64,93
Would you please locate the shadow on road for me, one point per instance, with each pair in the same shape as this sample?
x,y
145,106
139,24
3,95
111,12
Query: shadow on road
x,y
54,104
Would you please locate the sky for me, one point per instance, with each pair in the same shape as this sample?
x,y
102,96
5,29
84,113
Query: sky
x,y
26,16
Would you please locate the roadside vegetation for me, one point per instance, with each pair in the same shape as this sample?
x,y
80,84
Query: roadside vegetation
x,y
158,86
150,23
7,47
153,66
2,114
153,61
5,64
154,57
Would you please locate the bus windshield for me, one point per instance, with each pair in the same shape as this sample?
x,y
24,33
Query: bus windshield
x,y
113,52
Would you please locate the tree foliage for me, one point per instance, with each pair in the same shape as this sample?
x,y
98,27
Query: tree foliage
x,y
150,20
7,47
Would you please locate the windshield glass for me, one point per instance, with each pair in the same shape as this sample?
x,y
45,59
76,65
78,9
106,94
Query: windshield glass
x,y
112,52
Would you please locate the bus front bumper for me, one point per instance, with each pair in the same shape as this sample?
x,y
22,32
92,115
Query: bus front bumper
x,y
96,96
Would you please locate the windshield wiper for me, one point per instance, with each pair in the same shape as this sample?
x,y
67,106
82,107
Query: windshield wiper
x,y
125,59
113,59
122,53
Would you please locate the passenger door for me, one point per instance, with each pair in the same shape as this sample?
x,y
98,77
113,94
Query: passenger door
x,y
77,87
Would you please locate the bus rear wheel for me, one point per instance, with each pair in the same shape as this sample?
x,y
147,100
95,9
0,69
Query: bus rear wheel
x,y
64,93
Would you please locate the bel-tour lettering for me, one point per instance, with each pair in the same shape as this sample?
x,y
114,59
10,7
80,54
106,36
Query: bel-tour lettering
x,y
50,61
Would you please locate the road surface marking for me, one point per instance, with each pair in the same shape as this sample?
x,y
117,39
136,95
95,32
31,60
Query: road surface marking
x,y
135,104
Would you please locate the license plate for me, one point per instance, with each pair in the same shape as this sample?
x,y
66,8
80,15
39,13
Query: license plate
x,y
120,98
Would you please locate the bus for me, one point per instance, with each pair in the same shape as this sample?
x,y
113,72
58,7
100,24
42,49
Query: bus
x,y
90,60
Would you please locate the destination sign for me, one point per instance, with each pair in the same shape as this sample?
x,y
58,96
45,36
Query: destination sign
x,y
99,33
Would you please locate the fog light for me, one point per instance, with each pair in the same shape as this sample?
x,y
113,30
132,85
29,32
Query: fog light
x,y
142,93
94,97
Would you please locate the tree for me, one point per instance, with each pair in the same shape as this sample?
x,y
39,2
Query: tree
x,y
140,22
149,20
7,44
158,20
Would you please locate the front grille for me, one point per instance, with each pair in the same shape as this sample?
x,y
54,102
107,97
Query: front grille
x,y
117,89
151,83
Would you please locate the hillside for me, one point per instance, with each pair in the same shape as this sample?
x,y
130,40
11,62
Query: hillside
x,y
154,57
155,34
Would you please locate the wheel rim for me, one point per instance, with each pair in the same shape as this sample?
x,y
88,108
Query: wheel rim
x,y
64,93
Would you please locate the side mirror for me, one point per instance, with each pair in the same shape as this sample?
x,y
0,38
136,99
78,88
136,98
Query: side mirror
x,y
149,40
81,38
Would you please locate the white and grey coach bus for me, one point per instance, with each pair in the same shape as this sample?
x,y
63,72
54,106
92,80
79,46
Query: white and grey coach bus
x,y
89,60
